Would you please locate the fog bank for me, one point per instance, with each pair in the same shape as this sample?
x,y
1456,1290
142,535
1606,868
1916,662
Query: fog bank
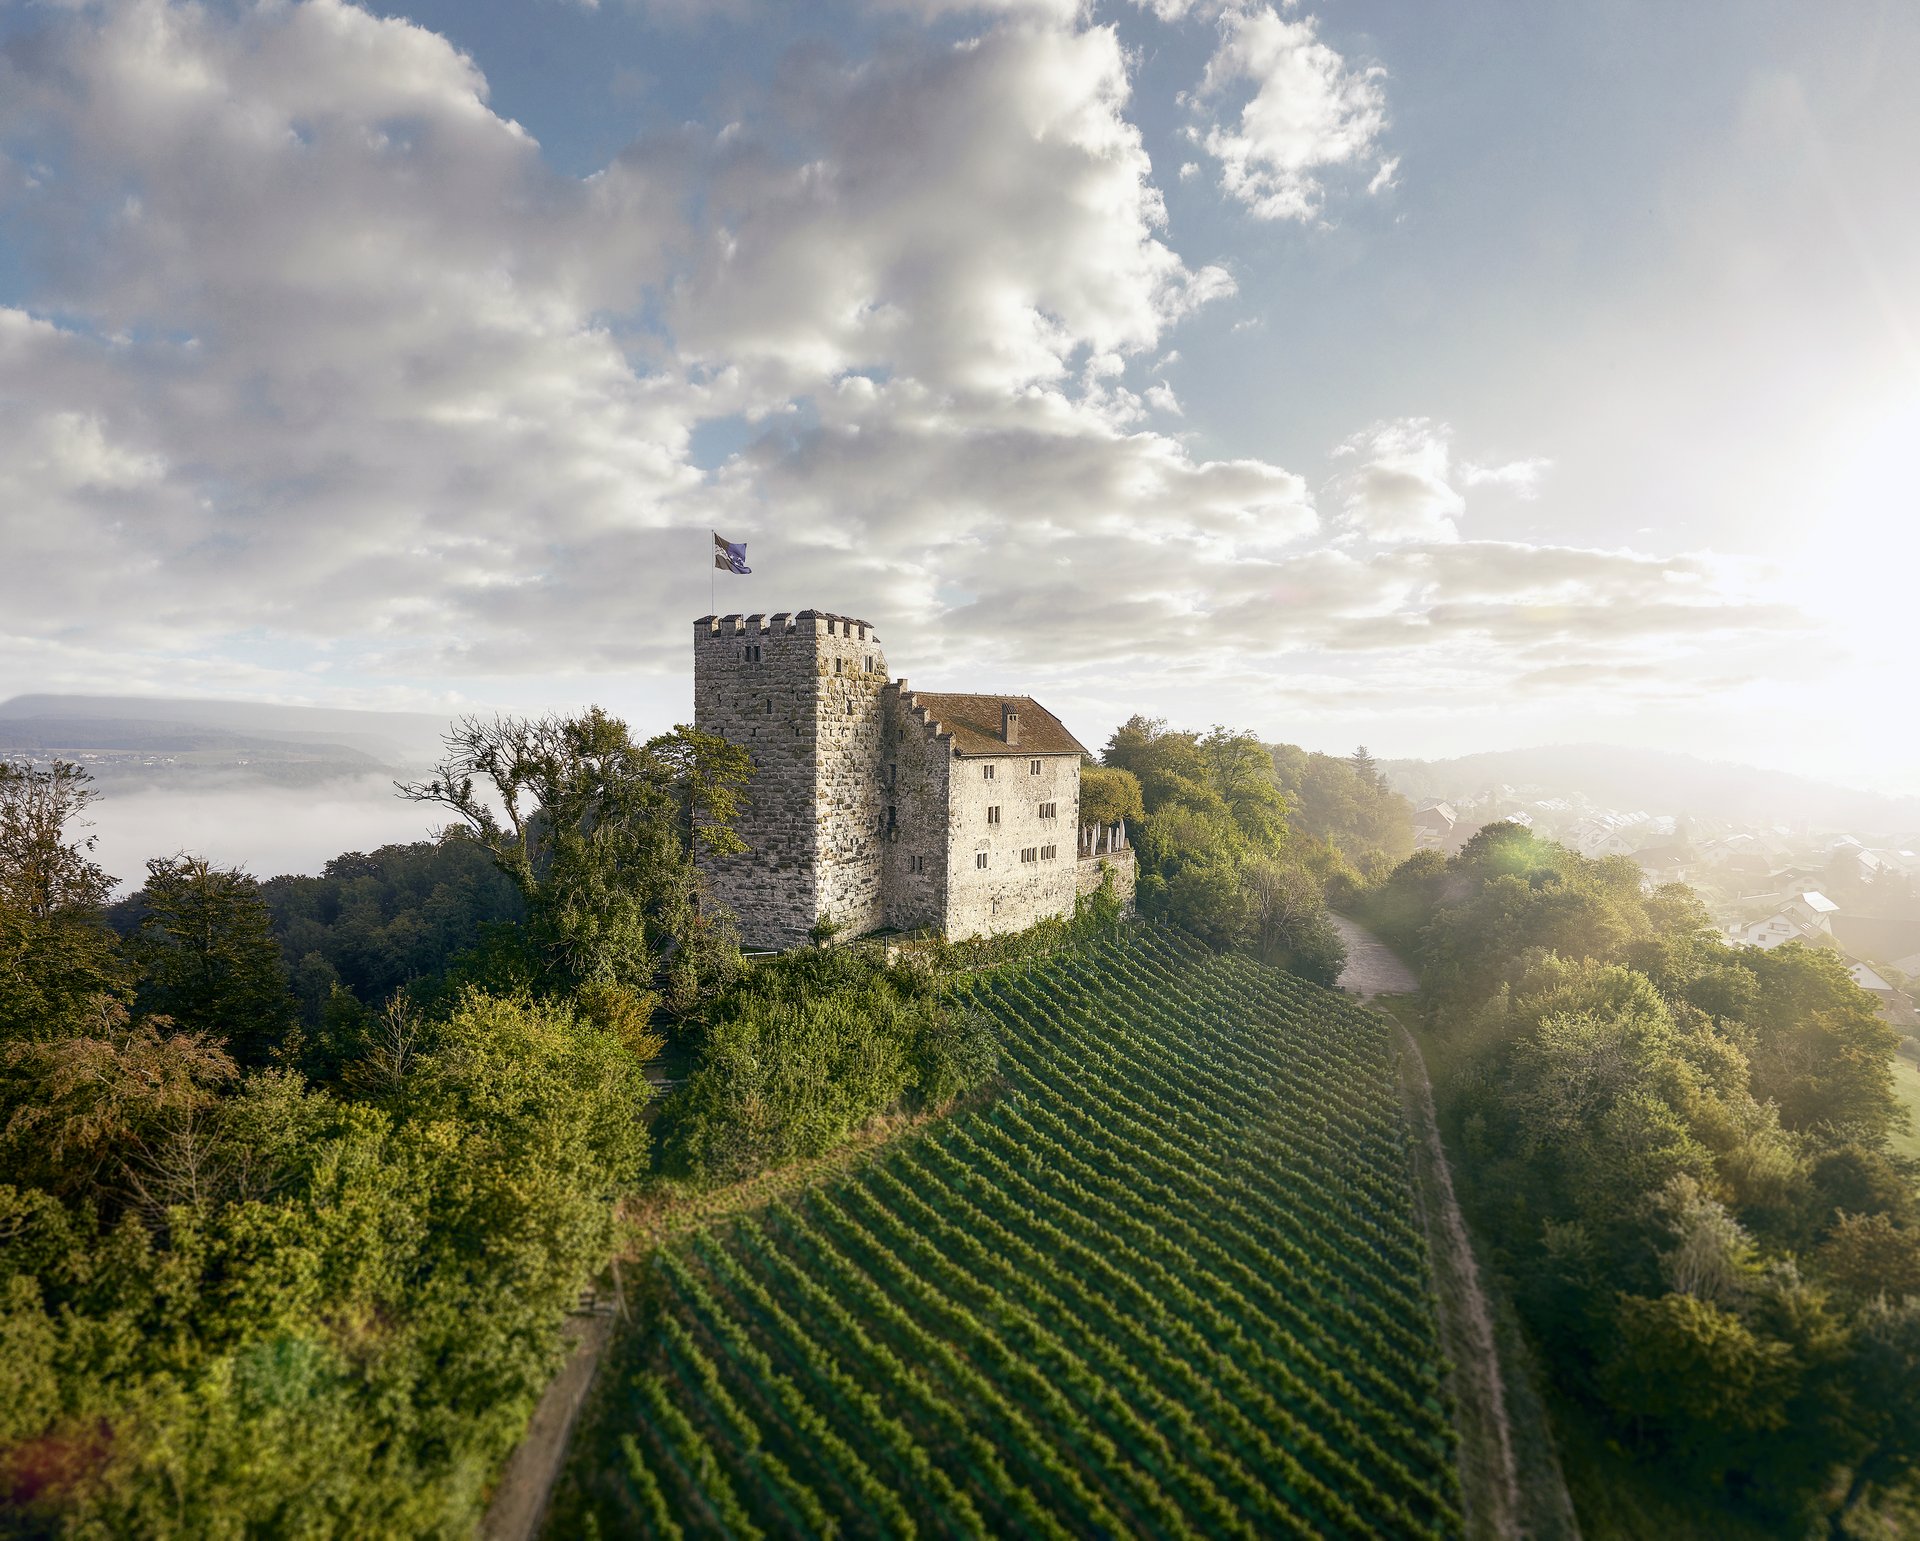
x,y
265,829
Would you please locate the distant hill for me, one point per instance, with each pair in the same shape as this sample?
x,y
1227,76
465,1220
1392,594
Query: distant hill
x,y
1659,781
137,741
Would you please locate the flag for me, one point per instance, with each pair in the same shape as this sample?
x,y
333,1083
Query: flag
x,y
730,556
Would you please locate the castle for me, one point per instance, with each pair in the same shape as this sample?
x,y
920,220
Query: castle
x,y
873,806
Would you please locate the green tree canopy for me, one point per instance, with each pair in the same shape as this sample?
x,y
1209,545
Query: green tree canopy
x,y
208,958
56,952
598,833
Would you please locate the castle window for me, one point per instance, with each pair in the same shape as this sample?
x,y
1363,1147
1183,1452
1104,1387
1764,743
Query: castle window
x,y
849,706
916,864
1048,852
869,665
1049,810
980,860
837,663
1033,767
986,772
993,814
1030,853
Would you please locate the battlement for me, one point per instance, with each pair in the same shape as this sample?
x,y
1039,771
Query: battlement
x,y
820,623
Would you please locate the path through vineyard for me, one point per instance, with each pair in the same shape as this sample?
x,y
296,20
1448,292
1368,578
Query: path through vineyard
x,y
1496,1502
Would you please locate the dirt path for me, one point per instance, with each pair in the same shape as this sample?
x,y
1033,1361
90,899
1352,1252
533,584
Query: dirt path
x,y
1489,1474
520,1501
1489,1470
1370,968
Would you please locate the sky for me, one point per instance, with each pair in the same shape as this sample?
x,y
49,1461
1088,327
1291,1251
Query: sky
x,y
1439,378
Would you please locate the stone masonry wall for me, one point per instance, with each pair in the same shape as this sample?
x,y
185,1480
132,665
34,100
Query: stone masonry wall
x,y
1124,866
764,703
850,809
1009,894
801,694
914,769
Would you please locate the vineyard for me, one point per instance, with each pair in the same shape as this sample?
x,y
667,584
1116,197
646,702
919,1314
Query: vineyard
x,y
1166,1282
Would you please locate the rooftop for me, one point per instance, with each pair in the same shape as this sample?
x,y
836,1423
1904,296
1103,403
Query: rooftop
x,y
974,722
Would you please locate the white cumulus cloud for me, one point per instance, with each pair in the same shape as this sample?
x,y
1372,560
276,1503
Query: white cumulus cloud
x,y
1283,107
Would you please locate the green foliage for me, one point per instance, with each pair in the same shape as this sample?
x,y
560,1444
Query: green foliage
x,y
808,1049
1217,846
248,1304
598,833
404,916
1109,795
56,953
1679,1148
1346,805
208,959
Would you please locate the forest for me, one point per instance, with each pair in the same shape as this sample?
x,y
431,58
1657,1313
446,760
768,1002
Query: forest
x,y
1677,1153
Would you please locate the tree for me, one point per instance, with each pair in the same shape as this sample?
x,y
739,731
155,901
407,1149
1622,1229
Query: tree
x,y
1700,1375
1884,1379
1109,795
1366,767
81,1111
56,952
597,832
1820,1049
208,958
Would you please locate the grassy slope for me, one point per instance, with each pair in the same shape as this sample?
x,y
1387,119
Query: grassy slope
x,y
1906,1083
1168,1279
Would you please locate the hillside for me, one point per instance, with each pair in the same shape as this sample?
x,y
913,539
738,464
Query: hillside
x,y
1659,781
1168,1281
137,742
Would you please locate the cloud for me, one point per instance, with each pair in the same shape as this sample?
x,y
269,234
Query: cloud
x,y
330,376
1285,107
1520,477
970,216
1397,486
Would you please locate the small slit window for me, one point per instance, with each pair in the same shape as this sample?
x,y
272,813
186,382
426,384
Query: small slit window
x,y
980,860
986,772
993,814
1033,767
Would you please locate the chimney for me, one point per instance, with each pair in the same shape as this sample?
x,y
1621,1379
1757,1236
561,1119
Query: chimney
x,y
1009,724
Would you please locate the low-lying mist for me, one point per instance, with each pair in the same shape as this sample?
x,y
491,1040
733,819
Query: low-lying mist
x,y
265,829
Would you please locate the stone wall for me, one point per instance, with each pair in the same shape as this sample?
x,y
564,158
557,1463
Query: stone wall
x,y
914,769
1125,868
801,694
850,808
1009,894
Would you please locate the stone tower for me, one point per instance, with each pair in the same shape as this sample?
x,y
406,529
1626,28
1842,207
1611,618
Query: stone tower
x,y
803,695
